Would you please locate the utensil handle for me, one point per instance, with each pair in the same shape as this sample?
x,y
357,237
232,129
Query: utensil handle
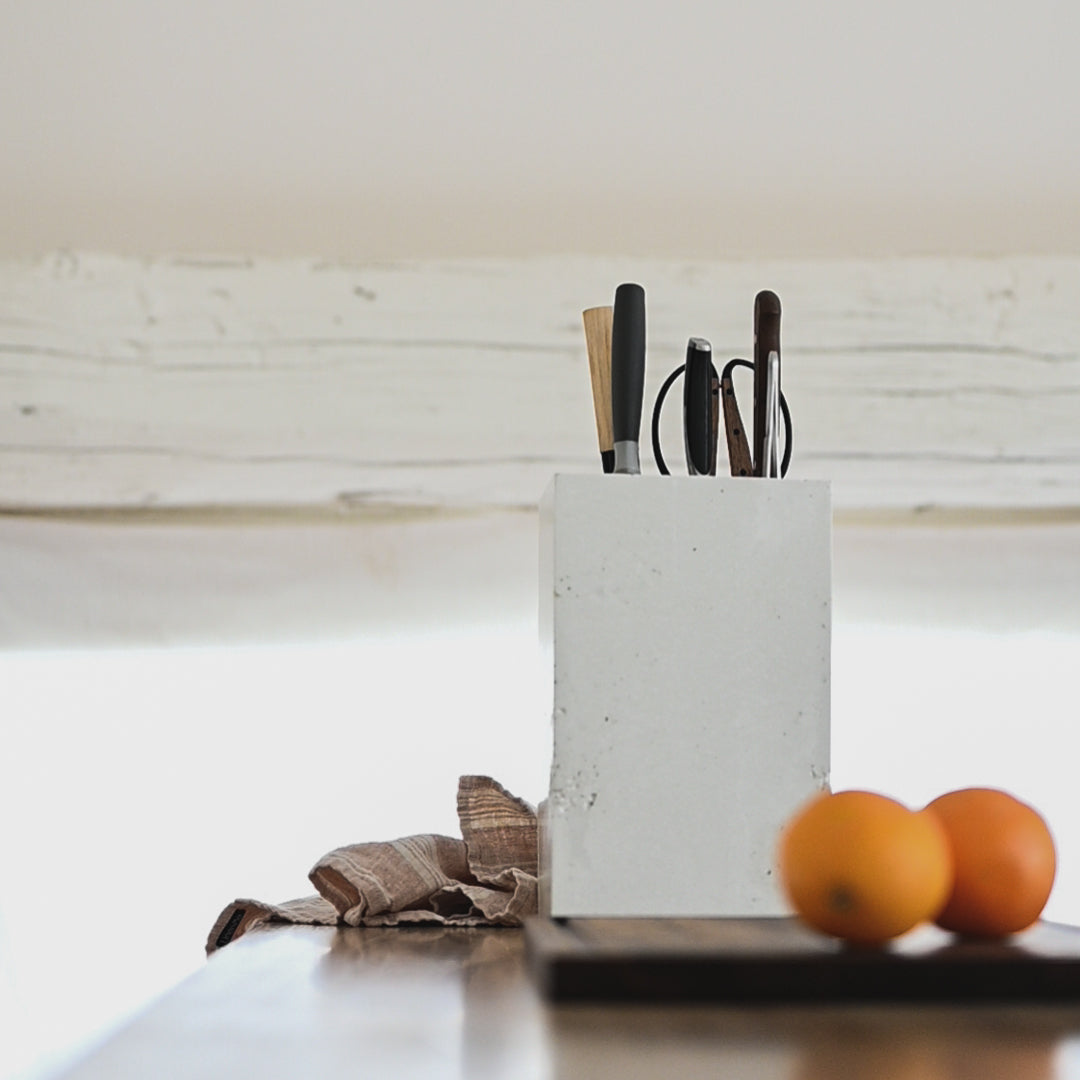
x,y
738,447
627,375
766,341
598,342
699,409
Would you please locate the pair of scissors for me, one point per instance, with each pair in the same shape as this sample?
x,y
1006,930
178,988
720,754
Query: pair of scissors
x,y
706,394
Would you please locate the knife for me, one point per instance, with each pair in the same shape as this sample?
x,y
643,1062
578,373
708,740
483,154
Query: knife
x,y
627,375
738,447
766,341
597,322
700,391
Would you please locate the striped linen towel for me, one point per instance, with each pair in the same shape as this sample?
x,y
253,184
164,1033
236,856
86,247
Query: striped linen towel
x,y
487,878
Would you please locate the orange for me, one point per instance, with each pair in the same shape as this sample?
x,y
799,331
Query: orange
x,y
1004,860
863,867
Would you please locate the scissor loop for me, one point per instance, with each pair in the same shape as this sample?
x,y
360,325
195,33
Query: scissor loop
x,y
728,368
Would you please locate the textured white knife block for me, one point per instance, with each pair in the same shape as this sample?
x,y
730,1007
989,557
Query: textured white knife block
x,y
687,622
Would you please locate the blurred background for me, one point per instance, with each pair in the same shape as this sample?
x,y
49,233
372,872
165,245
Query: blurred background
x,y
413,129
290,345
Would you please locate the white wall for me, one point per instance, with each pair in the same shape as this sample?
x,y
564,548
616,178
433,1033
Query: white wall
x,y
424,128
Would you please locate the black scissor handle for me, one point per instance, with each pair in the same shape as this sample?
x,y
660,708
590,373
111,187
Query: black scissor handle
x,y
728,368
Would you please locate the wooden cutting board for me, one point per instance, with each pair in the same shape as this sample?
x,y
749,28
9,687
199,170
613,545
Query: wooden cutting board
x,y
778,959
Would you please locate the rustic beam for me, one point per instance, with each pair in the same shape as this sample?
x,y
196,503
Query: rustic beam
x,y
176,382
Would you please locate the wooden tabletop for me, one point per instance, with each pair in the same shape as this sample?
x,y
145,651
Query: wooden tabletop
x,y
302,1002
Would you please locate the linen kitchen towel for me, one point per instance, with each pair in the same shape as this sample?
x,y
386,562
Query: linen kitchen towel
x,y
487,878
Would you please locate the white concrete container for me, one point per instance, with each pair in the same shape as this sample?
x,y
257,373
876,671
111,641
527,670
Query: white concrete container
x,y
688,622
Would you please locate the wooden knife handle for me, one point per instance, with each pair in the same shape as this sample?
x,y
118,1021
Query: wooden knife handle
x,y
738,447
597,322
766,340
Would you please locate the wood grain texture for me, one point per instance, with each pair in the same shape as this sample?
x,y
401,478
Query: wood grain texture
x,y
598,323
177,381
740,463
296,1002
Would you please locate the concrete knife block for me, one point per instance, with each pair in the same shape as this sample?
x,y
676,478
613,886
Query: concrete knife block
x,y
687,622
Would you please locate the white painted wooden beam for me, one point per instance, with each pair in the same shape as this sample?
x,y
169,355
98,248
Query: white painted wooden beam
x,y
239,382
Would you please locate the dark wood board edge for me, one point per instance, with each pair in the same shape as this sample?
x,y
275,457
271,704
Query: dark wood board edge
x,y
681,979
568,969
547,942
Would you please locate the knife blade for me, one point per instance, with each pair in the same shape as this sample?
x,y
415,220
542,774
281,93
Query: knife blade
x,y
771,467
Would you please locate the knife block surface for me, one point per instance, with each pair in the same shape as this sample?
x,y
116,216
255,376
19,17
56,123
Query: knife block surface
x,y
687,622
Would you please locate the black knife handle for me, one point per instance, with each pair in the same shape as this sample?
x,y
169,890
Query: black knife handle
x,y
766,340
699,409
627,374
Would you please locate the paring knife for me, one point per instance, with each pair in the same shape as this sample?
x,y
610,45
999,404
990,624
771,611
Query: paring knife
x,y
627,375
700,423
766,341
598,341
